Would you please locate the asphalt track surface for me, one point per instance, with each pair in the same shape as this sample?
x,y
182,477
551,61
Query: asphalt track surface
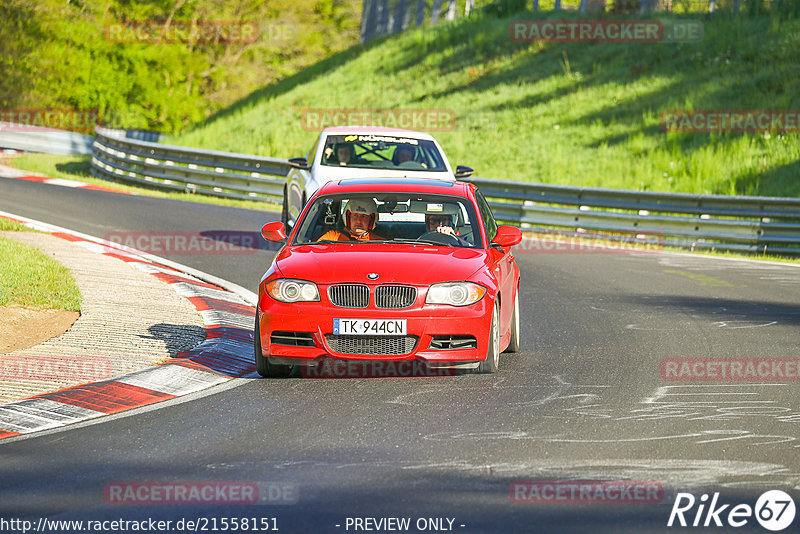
x,y
583,400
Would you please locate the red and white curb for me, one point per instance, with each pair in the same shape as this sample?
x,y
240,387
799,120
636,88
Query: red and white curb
x,y
227,352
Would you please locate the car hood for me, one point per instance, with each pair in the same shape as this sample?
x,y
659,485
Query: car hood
x,y
400,264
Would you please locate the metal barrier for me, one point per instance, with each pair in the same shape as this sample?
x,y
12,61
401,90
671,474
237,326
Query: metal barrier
x,y
50,141
177,168
748,224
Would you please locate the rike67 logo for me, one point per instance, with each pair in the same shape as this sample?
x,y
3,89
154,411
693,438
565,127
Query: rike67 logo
x,y
774,510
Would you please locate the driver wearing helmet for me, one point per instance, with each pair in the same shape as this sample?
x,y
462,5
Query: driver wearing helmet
x,y
442,218
344,153
361,214
440,222
402,154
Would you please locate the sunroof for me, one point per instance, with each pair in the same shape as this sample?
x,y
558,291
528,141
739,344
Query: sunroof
x,y
393,181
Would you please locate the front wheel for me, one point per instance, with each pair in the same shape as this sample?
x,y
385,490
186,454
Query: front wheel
x,y
492,362
264,367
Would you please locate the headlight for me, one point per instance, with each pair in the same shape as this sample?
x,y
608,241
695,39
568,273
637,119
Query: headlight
x,y
288,290
455,293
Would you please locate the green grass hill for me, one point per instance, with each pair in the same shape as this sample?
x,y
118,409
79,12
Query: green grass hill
x,y
579,113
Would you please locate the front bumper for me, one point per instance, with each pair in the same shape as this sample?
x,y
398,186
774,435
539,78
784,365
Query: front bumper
x,y
423,321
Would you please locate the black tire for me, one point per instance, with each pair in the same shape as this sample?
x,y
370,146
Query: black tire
x,y
264,367
513,345
492,362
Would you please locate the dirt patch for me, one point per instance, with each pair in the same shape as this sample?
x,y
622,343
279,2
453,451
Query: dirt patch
x,y
21,328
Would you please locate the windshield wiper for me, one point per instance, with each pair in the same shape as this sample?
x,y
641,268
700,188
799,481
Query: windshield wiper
x,y
346,241
420,242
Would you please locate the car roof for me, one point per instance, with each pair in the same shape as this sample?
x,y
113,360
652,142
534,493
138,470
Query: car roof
x,y
375,130
396,185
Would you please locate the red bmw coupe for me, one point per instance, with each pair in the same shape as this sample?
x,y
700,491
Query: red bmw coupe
x,y
389,270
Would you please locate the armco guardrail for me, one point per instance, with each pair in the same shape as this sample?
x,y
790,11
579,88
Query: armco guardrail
x,y
177,168
749,224
47,140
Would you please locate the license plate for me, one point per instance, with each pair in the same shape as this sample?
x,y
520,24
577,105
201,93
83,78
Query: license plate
x,y
369,327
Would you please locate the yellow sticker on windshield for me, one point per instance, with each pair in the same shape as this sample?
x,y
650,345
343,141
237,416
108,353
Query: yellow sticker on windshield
x,y
434,207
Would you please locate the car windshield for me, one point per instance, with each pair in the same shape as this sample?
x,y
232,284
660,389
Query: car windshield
x,y
409,218
382,152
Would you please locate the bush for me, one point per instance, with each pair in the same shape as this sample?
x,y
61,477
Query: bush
x,y
786,8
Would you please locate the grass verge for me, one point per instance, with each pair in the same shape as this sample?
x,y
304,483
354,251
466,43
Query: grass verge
x,y
9,225
31,279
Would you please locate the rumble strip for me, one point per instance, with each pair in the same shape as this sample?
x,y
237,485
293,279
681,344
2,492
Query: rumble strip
x,y
226,353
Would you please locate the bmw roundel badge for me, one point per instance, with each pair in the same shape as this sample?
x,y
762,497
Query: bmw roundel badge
x,y
372,276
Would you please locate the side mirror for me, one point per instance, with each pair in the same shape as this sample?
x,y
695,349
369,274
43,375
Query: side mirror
x,y
462,171
507,236
274,231
299,163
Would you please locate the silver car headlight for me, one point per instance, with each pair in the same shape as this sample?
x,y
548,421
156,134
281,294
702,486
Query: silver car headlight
x,y
289,290
455,293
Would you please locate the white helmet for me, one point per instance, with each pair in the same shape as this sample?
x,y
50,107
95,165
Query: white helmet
x,y
366,206
435,208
